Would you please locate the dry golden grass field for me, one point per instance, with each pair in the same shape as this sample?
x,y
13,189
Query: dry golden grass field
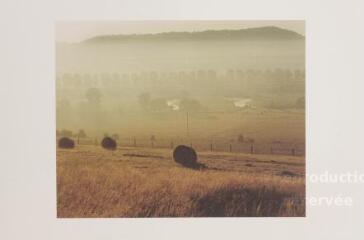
x,y
145,182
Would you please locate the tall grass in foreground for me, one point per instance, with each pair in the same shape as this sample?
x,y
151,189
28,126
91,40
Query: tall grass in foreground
x,y
112,190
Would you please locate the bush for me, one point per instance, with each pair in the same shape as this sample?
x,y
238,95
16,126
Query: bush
x,y
66,133
82,134
108,143
300,102
66,142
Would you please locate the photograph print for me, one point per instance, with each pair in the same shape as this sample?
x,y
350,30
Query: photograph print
x,y
180,119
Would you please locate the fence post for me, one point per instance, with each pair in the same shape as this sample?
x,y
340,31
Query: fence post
x,y
251,149
231,148
135,142
211,147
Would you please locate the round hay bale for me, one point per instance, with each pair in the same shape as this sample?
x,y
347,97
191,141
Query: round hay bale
x,y
66,142
108,143
186,156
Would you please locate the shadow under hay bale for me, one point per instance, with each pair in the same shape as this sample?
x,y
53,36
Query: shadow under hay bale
x,y
108,143
187,157
66,142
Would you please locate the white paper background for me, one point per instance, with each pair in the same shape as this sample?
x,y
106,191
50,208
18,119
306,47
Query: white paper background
x,y
335,142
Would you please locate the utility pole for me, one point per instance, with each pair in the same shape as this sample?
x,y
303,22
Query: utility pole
x,y
188,132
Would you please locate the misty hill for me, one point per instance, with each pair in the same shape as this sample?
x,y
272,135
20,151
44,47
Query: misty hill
x,y
269,33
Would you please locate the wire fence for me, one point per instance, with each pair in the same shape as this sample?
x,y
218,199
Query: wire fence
x,y
213,145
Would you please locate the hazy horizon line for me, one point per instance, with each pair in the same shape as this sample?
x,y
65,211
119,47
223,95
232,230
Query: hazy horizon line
x,y
153,31
185,31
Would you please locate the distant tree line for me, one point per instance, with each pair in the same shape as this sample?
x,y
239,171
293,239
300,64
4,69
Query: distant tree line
x,y
266,80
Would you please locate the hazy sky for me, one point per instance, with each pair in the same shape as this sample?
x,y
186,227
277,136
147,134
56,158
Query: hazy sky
x,y
76,31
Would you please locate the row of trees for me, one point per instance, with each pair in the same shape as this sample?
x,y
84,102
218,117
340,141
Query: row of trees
x,y
68,133
114,79
82,134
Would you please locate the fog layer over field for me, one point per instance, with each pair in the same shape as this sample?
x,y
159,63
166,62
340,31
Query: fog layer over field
x,y
183,88
166,56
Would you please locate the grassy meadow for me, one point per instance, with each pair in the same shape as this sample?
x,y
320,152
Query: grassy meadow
x,y
145,182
